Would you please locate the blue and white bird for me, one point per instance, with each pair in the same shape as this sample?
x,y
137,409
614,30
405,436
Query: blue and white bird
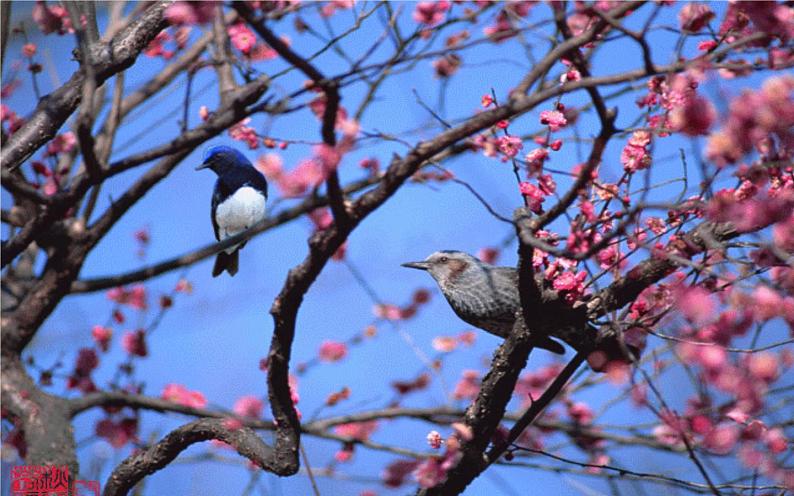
x,y
238,201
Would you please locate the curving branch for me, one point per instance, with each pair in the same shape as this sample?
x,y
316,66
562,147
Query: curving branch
x,y
136,467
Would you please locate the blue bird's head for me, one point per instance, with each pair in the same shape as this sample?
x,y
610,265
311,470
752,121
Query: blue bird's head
x,y
220,159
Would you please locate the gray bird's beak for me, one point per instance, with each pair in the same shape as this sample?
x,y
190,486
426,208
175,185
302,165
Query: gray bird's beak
x,y
202,166
416,265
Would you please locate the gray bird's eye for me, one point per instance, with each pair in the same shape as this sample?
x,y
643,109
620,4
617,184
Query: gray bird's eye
x,y
443,260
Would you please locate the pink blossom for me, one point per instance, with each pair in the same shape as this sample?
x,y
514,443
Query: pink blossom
x,y
188,13
332,351
328,157
270,165
444,344
156,47
101,336
447,65
554,119
488,254
179,394
767,303
360,431
468,386
261,51
776,440
434,439
694,117
430,13
571,282
429,473
722,439
86,362
599,459
694,16
331,7
712,357
62,143
51,19
534,196
345,454
752,117
501,30
395,473
134,343
29,49
510,145
695,304
308,174
118,433
242,132
580,413
462,431
635,156
241,37
763,366
535,160
371,164
783,234
248,407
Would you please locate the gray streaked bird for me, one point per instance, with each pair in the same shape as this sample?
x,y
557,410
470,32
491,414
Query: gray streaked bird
x,y
481,294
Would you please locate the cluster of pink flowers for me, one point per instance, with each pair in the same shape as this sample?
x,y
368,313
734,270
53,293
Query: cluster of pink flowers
x,y
330,8
502,29
635,155
161,45
433,470
430,13
190,13
389,311
418,384
555,119
177,393
757,118
249,407
118,432
85,363
9,116
101,336
134,297
243,132
359,431
134,343
446,344
52,19
468,386
532,384
332,351
446,65
312,172
695,16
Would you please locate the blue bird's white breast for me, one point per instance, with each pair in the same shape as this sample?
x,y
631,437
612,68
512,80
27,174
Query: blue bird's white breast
x,y
238,212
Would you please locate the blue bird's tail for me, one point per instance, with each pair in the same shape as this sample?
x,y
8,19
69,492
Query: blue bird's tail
x,y
225,261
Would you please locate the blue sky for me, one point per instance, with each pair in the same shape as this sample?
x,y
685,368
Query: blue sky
x,y
213,339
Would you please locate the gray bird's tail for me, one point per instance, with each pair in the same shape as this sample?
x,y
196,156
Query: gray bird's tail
x,y
225,261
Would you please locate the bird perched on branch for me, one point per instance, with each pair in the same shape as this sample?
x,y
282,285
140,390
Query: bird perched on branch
x,y
481,294
238,201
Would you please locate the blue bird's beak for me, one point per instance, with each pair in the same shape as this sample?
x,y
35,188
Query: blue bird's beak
x,y
416,265
205,165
